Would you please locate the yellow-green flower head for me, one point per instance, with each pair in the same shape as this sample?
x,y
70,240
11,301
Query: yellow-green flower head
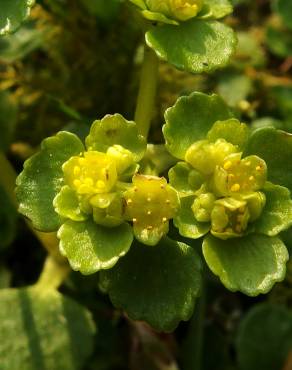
x,y
237,175
92,173
150,204
230,216
180,10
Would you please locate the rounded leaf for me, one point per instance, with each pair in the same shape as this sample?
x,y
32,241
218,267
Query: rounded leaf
x,y
277,213
275,148
219,8
116,130
90,247
195,46
231,130
43,331
251,265
156,284
42,179
67,204
190,119
13,13
273,323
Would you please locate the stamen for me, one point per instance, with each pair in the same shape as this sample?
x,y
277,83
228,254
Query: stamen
x,y
77,183
227,165
88,181
100,184
235,187
76,170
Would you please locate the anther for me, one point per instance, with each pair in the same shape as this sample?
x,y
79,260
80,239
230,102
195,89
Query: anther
x,y
251,178
148,199
235,187
88,181
100,184
164,219
76,170
248,164
227,165
149,213
77,183
134,220
162,186
258,168
167,201
129,201
149,227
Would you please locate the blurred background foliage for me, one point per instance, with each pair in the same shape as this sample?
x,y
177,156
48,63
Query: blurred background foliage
x,y
76,60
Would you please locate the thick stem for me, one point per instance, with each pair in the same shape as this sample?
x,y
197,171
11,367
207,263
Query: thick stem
x,y
7,180
53,274
147,92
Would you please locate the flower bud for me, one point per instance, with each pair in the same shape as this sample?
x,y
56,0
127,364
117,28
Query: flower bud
x,y
122,157
203,206
205,156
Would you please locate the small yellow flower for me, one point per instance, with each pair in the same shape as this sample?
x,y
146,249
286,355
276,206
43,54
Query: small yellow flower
x,y
150,204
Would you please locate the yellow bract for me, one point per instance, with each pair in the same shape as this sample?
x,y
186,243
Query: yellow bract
x,y
181,10
92,173
150,203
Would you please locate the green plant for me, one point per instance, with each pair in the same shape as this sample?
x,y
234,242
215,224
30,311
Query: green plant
x,y
147,216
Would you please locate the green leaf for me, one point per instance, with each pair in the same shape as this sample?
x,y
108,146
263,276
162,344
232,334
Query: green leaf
x,y
158,284
186,223
251,265
279,41
195,46
219,8
42,179
66,204
8,117
234,87
264,338
275,148
284,8
116,130
277,213
231,130
185,179
8,218
190,119
21,43
43,331
13,13
90,247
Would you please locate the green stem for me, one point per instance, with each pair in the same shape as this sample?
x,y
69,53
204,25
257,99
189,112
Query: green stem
x,y
7,180
147,92
192,352
53,274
